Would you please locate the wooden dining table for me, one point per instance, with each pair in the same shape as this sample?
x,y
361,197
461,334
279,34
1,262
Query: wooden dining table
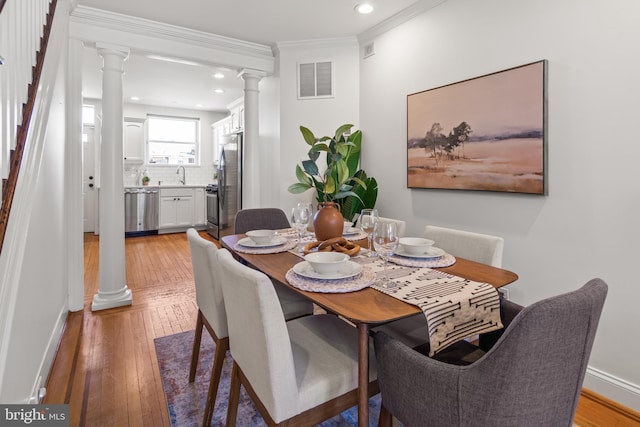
x,y
367,307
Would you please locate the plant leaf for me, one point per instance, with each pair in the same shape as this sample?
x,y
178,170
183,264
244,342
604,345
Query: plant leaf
x,y
308,136
343,149
313,155
343,171
352,158
366,190
341,130
303,177
298,188
330,186
310,167
360,182
319,147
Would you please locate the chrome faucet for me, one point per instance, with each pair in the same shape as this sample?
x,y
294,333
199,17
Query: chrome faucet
x,y
183,181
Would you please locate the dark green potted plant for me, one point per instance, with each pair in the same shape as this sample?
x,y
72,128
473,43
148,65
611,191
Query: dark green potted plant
x,y
334,182
341,182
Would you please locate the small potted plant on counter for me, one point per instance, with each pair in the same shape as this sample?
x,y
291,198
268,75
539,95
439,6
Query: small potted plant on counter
x,y
145,180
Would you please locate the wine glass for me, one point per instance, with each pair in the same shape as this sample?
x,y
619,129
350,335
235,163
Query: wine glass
x,y
385,241
299,219
368,218
309,207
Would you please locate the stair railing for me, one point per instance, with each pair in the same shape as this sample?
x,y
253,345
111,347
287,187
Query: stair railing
x,y
24,33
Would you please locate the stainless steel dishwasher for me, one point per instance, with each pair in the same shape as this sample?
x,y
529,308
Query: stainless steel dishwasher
x,y
141,210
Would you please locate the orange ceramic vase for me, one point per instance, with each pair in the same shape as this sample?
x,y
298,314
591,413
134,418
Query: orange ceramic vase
x,y
327,221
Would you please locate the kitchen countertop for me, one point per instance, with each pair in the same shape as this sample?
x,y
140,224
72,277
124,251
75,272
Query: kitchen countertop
x,y
168,186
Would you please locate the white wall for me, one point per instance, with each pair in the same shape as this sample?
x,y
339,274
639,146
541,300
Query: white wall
x,y
588,225
321,116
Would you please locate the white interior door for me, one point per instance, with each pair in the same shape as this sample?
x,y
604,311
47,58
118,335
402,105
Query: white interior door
x,y
89,191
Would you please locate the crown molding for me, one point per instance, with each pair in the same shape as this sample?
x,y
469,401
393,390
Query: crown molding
x,y
398,19
85,21
306,44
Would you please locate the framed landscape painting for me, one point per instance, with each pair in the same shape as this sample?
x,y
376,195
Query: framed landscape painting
x,y
487,133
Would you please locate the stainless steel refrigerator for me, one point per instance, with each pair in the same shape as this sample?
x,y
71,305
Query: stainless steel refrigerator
x,y
229,182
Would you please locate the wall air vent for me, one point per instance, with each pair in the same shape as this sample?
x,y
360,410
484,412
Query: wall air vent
x,y
315,80
369,50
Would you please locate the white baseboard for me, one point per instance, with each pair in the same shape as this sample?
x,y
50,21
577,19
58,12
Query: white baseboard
x,y
47,358
616,389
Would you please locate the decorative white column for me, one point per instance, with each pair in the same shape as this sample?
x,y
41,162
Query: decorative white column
x,y
251,172
113,291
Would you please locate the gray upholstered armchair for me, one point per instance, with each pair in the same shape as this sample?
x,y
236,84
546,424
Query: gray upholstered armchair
x,y
531,375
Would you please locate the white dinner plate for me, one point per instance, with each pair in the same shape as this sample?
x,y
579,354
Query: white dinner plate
x,y
432,252
276,241
352,231
349,269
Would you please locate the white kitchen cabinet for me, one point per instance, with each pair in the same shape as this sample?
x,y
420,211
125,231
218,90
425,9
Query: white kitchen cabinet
x,y
177,208
234,122
236,113
237,118
133,138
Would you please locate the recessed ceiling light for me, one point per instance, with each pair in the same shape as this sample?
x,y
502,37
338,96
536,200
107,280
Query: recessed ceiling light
x,y
219,91
134,98
199,105
218,76
364,8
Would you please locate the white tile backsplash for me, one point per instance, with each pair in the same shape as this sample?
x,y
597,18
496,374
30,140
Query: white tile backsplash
x,y
194,175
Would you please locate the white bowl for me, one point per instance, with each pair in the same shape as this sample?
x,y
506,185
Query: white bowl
x,y
415,245
347,226
261,237
326,262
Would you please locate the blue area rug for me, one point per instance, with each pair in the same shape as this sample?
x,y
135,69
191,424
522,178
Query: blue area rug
x,y
185,400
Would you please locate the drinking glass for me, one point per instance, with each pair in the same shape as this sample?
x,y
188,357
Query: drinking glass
x,y
368,218
299,219
309,207
385,241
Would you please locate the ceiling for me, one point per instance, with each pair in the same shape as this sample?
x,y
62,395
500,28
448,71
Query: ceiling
x,y
258,21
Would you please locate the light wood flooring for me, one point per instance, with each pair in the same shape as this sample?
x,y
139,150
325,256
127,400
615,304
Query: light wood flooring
x,y
106,367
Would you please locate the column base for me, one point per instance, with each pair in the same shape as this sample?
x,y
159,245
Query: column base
x,y
105,300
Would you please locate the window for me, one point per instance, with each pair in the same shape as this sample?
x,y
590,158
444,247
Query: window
x,y
88,115
173,140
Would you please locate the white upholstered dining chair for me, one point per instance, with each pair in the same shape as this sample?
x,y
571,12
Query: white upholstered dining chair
x,y
212,313
477,247
300,372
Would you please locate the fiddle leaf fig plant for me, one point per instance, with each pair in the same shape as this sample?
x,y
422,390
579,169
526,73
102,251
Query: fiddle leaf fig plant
x,y
342,157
